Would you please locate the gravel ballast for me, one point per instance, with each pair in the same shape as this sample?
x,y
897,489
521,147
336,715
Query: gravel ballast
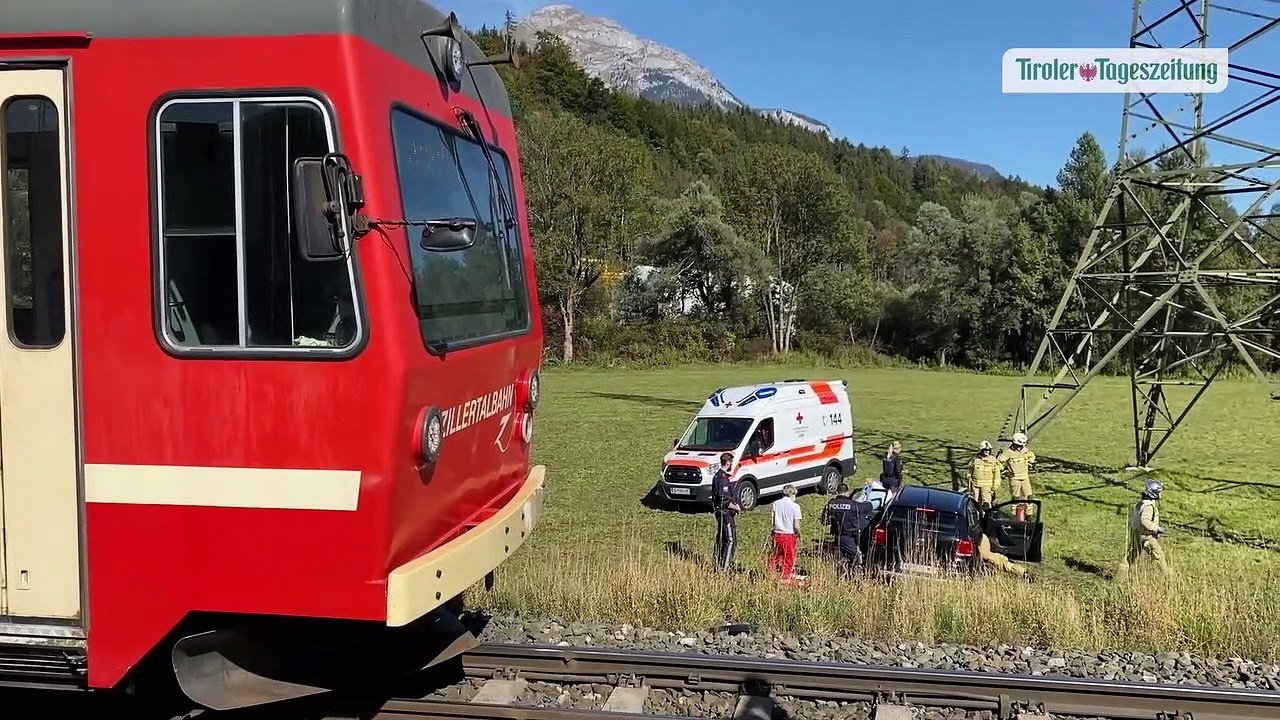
x,y
1165,667
711,705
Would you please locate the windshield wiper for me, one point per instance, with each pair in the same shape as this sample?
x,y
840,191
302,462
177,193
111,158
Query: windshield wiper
x,y
469,122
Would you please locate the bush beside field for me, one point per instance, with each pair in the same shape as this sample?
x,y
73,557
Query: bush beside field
x,y
603,554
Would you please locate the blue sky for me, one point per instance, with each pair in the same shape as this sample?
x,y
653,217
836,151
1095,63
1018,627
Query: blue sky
x,y
921,74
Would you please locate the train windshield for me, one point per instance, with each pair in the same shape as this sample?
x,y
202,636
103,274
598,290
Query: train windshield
x,y
469,296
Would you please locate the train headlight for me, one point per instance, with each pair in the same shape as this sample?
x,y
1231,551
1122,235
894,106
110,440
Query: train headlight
x,y
535,391
431,439
526,428
529,392
454,62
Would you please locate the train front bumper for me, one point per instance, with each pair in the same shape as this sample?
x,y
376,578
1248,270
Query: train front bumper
x,y
429,581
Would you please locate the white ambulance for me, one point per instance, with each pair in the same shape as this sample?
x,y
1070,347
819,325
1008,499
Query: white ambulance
x,y
796,432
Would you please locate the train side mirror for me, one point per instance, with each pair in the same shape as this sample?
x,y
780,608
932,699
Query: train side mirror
x,y
326,194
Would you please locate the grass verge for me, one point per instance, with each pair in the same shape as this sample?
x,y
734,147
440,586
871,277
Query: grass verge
x,y
601,554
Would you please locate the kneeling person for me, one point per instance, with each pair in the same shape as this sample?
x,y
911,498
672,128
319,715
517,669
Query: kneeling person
x,y
847,519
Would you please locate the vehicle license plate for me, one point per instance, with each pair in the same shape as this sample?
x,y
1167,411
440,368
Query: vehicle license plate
x,y
920,569
679,491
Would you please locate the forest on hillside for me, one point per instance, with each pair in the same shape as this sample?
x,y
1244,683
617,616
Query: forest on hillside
x,y
666,233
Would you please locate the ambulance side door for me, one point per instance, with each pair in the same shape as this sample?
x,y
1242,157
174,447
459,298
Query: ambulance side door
x,y
767,459
803,465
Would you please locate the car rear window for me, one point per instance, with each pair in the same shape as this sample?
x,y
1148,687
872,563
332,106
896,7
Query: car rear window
x,y
923,519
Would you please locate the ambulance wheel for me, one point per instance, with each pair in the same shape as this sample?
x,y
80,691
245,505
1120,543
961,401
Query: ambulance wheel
x,y
831,478
748,495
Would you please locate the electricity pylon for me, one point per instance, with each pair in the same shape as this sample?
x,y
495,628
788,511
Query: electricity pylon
x,y
1174,284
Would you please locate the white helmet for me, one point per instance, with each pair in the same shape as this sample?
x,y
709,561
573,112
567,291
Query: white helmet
x,y
984,445
1019,438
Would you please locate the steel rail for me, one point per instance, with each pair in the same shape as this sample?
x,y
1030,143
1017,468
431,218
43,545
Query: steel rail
x,y
999,692
453,710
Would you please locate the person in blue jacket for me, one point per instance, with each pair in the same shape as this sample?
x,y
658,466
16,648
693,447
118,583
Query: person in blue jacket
x,y
724,502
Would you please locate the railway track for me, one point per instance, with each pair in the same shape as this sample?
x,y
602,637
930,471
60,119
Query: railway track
x,y
530,682
508,670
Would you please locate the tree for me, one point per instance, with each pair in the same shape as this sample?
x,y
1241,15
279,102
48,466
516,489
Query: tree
x,y
580,180
1083,184
795,208
702,250
830,221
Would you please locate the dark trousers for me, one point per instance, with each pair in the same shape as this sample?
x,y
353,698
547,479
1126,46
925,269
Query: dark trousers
x,y
726,539
848,554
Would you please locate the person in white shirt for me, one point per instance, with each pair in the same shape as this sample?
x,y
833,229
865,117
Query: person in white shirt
x,y
786,533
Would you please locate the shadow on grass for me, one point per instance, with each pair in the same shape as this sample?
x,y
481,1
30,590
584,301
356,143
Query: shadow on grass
x,y
1087,567
654,500
938,462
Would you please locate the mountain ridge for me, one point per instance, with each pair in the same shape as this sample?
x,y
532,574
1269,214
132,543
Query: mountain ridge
x,y
646,68
629,63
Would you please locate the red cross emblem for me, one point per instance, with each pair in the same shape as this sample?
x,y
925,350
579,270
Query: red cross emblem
x,y
799,418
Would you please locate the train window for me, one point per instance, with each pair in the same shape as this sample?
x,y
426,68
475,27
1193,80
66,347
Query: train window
x,y
32,198
468,296
232,276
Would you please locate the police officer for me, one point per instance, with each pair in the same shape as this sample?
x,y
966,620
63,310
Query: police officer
x,y
891,467
984,475
724,502
1018,460
1145,531
847,519
831,512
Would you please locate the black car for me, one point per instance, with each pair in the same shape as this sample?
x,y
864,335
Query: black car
x,y
928,531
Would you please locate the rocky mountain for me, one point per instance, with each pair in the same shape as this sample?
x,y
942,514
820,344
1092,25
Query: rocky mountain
x,y
632,64
982,170
795,118
629,63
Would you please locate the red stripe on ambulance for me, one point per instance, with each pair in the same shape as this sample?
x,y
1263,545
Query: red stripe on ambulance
x,y
825,395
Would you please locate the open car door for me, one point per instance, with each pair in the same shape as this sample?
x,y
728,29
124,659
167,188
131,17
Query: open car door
x,y
1015,532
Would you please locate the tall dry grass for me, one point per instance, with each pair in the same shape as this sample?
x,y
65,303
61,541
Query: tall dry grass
x,y
1147,612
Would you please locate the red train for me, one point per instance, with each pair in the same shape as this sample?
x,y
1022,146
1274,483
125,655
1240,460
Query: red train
x,y
268,385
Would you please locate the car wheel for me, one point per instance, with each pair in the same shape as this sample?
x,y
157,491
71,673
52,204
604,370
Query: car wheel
x,y
748,496
830,480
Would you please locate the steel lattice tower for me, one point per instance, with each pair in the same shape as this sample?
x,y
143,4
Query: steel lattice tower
x,y
1168,284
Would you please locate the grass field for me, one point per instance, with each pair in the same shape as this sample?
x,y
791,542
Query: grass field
x,y
601,553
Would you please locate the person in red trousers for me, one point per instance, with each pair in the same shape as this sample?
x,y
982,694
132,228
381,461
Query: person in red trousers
x,y
786,534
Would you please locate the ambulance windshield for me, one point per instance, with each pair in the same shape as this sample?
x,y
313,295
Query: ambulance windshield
x,y
716,434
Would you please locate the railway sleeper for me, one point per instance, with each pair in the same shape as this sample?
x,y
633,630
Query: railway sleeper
x,y
627,700
500,692
1034,711
891,711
